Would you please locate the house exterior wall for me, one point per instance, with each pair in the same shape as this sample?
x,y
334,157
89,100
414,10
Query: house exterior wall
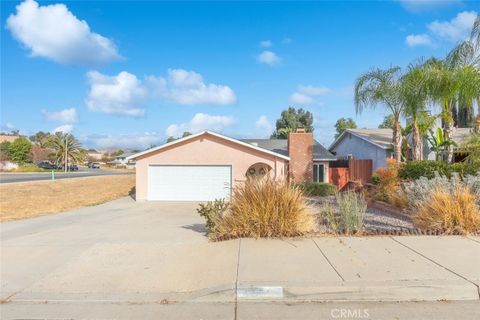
x,y
361,149
326,167
207,150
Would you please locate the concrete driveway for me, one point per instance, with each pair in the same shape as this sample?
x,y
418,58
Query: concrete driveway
x,y
151,253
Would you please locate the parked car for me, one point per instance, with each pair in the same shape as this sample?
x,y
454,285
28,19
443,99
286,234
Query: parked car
x,y
73,167
46,165
95,165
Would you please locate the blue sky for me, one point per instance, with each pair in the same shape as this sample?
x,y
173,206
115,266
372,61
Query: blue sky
x,y
128,74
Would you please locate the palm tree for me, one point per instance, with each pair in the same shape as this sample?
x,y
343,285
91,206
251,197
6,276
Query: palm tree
x,y
453,87
414,96
467,54
66,147
382,87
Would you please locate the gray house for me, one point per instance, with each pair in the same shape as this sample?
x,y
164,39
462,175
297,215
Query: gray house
x,y
375,144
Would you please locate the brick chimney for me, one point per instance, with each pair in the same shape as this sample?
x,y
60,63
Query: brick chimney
x,y
300,150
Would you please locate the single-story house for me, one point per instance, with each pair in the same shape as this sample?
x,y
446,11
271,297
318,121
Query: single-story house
x,y
375,144
122,161
94,154
206,165
8,137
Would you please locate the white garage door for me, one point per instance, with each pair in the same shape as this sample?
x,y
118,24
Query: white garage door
x,y
189,183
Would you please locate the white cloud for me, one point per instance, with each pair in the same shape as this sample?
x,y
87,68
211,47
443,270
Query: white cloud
x,y
8,126
124,94
313,90
306,94
140,141
120,94
263,123
268,57
457,29
286,41
66,116
301,99
65,128
53,32
199,122
188,88
425,5
414,40
266,43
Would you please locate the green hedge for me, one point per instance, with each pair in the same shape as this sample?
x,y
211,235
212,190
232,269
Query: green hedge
x,y
318,189
412,170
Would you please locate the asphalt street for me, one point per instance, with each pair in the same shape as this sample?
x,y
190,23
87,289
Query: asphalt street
x,y
38,176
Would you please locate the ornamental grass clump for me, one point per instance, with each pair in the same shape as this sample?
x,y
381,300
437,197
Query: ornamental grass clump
x,y
263,208
346,215
449,210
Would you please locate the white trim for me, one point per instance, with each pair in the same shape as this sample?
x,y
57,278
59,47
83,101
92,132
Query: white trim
x,y
333,145
193,136
324,159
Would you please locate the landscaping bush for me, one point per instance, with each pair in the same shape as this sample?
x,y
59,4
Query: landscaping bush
x,y
449,210
412,170
352,207
387,180
347,216
261,208
213,211
318,189
445,204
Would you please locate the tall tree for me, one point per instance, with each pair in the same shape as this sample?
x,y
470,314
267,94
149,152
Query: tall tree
x,y
414,96
388,122
467,54
343,124
453,87
65,148
382,87
19,150
41,138
292,119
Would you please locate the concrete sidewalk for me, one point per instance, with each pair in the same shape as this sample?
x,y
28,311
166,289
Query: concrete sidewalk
x,y
127,253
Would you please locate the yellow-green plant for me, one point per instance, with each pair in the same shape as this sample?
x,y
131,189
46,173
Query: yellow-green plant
x,y
265,208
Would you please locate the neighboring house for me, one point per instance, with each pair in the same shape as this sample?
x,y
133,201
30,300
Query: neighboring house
x,y
121,161
374,144
206,165
8,137
94,154
458,136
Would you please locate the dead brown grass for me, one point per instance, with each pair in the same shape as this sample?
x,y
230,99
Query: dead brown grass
x,y
31,199
265,208
449,212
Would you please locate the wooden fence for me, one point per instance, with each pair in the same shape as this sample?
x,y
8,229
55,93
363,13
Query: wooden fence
x,y
342,172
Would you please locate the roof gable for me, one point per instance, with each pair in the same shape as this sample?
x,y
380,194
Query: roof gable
x,y
193,136
381,138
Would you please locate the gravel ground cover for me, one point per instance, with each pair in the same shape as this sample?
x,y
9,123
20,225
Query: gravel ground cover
x,y
375,220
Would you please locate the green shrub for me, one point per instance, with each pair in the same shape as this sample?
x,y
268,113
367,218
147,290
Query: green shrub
x,y
352,207
318,189
347,216
413,170
212,211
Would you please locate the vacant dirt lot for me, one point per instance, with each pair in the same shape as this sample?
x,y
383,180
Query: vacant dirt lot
x,y
31,199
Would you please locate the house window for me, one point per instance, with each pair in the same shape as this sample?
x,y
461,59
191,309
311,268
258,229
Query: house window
x,y
318,172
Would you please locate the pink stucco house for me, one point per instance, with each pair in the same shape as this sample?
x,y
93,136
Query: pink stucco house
x,y
206,165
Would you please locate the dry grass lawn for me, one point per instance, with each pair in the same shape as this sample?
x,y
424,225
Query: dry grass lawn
x,y
31,199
